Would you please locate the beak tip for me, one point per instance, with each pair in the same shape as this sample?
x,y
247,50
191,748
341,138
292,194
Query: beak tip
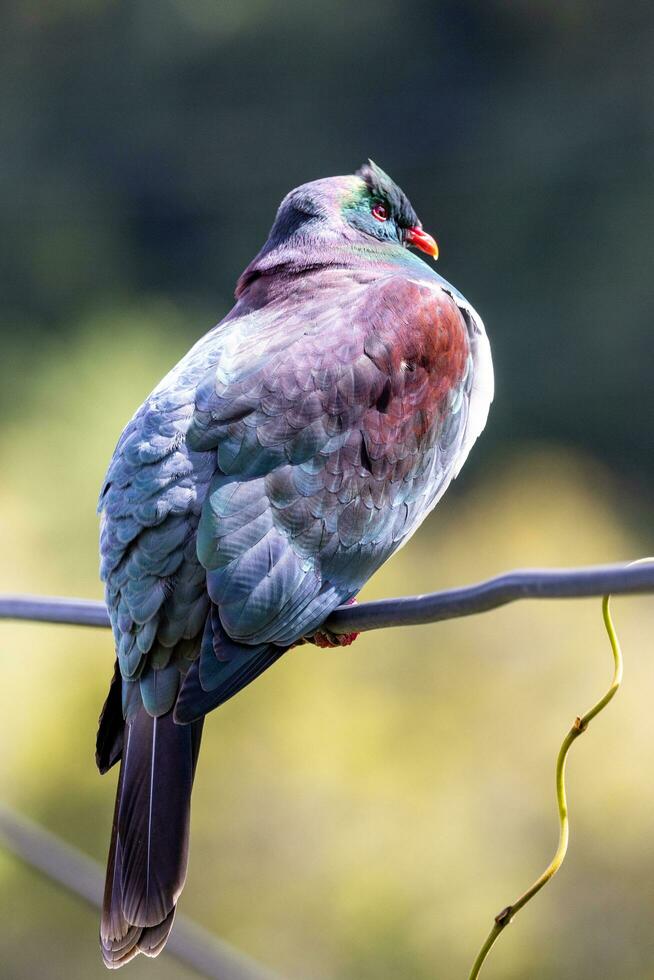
x,y
420,239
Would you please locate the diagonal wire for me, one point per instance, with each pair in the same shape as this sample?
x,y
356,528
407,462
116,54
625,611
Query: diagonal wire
x,y
536,583
79,874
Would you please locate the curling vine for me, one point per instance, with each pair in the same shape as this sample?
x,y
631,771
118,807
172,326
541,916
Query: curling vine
x,y
580,725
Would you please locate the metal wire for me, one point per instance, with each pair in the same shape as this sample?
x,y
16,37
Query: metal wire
x,y
77,873
537,583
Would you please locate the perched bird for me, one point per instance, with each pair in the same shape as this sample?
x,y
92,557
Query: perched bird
x,y
296,447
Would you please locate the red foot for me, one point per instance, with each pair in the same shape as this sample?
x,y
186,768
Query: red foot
x,y
325,639
330,640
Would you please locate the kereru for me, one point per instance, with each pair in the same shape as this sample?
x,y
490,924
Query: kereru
x,y
294,449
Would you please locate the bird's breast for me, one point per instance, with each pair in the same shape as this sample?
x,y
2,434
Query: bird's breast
x,y
420,342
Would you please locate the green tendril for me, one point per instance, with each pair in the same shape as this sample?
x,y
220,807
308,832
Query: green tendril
x,y
580,725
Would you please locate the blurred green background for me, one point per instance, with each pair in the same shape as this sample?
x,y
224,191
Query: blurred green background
x,y
361,814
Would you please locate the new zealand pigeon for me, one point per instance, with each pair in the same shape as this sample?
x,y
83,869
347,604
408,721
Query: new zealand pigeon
x,y
294,449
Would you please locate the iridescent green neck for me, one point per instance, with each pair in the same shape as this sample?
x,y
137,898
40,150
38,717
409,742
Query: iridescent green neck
x,y
384,254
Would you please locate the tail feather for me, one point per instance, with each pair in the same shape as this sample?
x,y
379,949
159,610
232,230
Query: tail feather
x,y
153,940
149,845
109,741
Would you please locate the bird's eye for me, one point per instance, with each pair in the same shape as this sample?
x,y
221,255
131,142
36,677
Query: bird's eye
x,y
380,212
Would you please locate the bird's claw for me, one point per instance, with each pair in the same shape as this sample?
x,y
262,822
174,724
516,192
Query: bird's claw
x,y
327,640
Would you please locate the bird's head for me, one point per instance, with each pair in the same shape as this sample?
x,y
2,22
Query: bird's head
x,y
381,210
321,222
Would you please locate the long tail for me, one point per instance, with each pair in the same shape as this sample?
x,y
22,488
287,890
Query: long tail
x,y
148,854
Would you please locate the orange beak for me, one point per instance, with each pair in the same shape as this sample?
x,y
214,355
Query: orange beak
x,y
420,239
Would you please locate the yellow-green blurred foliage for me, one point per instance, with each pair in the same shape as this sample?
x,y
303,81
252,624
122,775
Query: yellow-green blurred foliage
x,y
358,814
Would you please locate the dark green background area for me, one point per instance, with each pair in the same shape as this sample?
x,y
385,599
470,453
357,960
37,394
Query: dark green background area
x,y
146,145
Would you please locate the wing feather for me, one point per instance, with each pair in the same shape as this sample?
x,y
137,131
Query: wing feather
x,y
341,433
280,464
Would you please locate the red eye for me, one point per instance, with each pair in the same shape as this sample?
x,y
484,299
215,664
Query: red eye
x,y
380,212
